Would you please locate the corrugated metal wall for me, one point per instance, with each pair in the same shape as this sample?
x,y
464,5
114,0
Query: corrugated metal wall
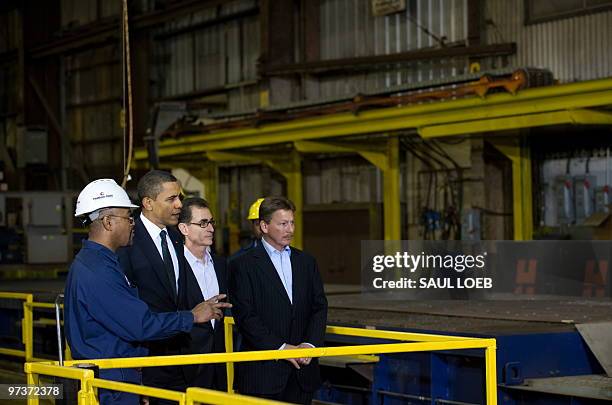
x,y
209,58
348,29
339,180
81,12
574,49
9,22
93,104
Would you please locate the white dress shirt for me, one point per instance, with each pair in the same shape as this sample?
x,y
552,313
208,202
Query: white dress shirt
x,y
281,259
154,232
204,272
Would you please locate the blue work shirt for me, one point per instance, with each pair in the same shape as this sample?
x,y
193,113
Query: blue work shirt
x,y
243,250
104,318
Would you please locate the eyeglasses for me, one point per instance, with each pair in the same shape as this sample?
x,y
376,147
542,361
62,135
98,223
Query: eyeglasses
x,y
204,223
130,219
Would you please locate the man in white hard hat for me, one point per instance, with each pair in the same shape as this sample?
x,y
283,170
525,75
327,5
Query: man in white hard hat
x,y
104,317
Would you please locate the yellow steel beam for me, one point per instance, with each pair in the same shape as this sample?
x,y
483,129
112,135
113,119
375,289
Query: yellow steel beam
x,y
321,147
339,147
391,192
580,116
531,101
519,155
591,117
219,156
378,159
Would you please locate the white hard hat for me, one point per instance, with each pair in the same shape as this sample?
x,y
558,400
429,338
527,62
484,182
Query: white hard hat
x,y
101,193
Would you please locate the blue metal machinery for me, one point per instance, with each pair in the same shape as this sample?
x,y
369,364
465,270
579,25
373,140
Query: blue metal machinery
x,y
533,351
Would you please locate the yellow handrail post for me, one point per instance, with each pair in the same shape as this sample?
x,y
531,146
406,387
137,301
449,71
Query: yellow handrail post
x,y
87,394
229,348
31,379
27,327
189,397
491,373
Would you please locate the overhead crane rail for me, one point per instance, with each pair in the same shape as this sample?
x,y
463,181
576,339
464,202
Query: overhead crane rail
x,y
487,83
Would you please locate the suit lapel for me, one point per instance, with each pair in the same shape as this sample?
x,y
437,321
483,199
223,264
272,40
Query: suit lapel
x,y
297,274
267,268
149,251
220,273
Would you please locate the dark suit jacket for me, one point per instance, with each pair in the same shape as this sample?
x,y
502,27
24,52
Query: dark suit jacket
x,y
144,267
203,338
266,318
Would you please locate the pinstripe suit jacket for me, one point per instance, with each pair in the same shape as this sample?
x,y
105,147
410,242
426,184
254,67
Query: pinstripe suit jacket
x,y
266,318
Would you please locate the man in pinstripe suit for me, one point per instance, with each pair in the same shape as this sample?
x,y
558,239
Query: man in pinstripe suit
x,y
279,304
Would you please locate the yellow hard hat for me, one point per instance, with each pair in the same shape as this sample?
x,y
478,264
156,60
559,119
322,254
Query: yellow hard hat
x,y
254,210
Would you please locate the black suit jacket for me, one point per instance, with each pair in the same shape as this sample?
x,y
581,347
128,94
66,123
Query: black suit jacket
x,y
203,338
144,267
266,318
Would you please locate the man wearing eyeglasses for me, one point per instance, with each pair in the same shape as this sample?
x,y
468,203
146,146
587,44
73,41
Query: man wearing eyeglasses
x,y
155,264
206,277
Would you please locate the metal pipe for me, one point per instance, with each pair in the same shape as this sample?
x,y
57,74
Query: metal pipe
x,y
58,327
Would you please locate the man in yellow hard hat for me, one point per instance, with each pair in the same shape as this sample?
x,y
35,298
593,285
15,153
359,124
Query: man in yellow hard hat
x,y
254,218
255,229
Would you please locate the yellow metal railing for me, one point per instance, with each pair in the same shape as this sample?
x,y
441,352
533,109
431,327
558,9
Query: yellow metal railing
x,y
26,326
87,394
420,342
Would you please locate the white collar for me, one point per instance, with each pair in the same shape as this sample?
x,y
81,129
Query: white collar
x,y
153,229
271,249
192,259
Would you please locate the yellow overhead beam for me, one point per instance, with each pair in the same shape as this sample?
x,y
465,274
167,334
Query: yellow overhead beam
x,y
325,146
219,156
580,116
373,152
321,147
530,101
591,117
